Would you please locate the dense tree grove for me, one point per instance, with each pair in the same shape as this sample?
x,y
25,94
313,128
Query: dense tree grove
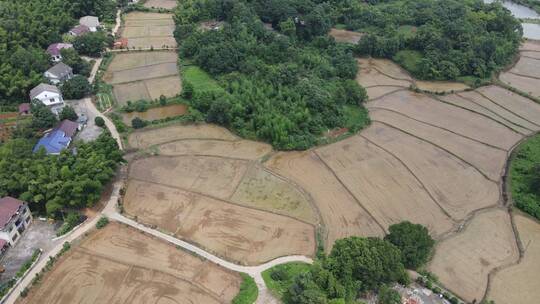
x,y
27,28
76,87
414,242
283,88
57,183
355,266
524,178
445,39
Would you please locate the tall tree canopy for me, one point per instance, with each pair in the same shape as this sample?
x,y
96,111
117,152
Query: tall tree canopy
x,y
414,242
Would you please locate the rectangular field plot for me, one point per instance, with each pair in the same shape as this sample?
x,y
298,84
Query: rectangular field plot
x,y
118,264
166,4
146,30
237,233
144,75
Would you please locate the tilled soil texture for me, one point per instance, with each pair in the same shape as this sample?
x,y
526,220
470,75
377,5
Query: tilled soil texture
x,y
118,264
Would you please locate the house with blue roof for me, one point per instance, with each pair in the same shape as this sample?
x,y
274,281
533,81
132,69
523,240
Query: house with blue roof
x,y
53,142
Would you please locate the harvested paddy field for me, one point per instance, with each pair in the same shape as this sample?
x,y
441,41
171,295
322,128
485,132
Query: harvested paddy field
x,y
463,261
341,213
519,284
245,235
448,117
146,30
525,74
149,137
118,264
453,184
243,149
379,91
378,72
345,36
440,86
166,4
517,104
383,185
156,113
143,75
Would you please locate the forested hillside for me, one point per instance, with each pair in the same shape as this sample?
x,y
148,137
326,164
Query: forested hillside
x,y
285,88
27,27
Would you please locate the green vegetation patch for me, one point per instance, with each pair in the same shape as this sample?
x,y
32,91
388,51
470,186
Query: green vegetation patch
x,y
248,291
199,79
280,277
525,176
409,59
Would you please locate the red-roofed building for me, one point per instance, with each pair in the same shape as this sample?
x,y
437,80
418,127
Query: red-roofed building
x,y
24,108
15,217
121,43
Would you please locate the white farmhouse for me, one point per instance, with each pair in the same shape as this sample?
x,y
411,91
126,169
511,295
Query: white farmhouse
x,y
15,217
91,22
58,73
49,95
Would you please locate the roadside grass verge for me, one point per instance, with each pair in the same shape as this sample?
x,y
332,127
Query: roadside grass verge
x,y
248,291
280,277
524,176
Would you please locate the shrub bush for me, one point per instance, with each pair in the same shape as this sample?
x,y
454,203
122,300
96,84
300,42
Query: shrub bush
x,y
99,121
102,222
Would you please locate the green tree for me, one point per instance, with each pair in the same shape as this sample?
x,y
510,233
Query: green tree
x,y
72,58
76,87
68,113
388,295
187,90
99,121
414,242
138,123
42,117
91,44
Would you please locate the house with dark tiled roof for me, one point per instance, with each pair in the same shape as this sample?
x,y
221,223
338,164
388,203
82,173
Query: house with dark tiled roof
x,y
58,73
55,48
79,30
15,217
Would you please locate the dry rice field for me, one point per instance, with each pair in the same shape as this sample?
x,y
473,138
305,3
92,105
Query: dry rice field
x,y
143,75
119,264
166,4
525,74
345,36
145,30
464,261
519,284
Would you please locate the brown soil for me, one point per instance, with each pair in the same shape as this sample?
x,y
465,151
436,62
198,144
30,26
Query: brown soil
x,y
519,284
378,91
452,118
369,76
118,264
530,45
346,36
383,185
213,176
156,113
518,104
166,4
244,149
149,137
145,30
522,83
457,187
341,213
441,86
244,235
463,261
487,159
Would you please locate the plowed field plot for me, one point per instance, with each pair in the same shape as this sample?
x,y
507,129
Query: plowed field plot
x,y
383,185
149,137
456,186
525,74
441,86
143,75
448,117
166,4
519,284
244,235
371,75
530,45
464,261
341,213
146,30
118,264
243,149
345,36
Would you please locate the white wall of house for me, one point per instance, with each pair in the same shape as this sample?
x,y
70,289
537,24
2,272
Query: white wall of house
x,y
17,225
50,99
56,58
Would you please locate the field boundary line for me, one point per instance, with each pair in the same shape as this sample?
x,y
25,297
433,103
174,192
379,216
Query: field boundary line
x,y
413,174
479,113
143,80
437,146
497,114
500,105
143,66
523,75
227,201
433,125
399,89
323,162
412,79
